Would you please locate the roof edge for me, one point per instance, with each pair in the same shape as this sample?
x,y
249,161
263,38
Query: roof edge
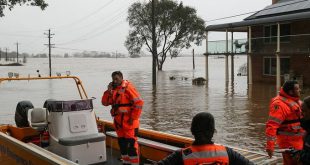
x,y
268,20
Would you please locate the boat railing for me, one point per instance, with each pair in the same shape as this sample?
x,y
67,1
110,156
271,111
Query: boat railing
x,y
169,143
78,82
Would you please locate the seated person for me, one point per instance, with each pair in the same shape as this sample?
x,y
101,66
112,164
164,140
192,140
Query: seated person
x,y
203,150
304,154
237,45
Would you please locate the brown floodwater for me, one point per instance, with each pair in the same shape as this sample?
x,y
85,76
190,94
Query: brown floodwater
x,y
240,111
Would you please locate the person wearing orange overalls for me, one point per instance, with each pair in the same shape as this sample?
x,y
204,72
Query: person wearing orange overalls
x,y
203,150
126,109
283,126
304,154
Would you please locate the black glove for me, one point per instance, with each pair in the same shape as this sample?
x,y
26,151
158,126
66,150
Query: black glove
x,y
295,153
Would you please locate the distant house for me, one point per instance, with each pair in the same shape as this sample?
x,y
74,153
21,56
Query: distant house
x,y
278,42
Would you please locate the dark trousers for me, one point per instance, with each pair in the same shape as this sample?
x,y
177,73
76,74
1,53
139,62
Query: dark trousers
x,y
289,160
129,150
127,146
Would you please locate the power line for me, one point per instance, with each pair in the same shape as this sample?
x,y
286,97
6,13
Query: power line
x,y
20,35
231,16
32,42
237,15
89,15
81,38
75,22
62,26
118,12
111,20
42,51
94,30
103,31
93,36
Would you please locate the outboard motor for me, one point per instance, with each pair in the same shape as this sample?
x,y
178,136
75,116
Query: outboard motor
x,y
21,113
73,131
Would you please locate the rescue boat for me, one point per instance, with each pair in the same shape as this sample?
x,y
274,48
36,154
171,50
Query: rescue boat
x,y
66,132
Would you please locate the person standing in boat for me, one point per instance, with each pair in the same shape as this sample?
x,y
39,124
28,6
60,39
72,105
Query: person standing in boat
x,y
126,109
203,150
283,126
304,154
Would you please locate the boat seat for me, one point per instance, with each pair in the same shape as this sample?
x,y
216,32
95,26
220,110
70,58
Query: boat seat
x,y
37,118
150,143
78,140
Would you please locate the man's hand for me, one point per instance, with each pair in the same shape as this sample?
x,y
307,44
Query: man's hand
x,y
270,152
130,121
110,87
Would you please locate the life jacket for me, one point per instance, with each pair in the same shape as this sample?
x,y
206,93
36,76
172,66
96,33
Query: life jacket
x,y
283,126
291,125
41,140
210,154
121,103
126,104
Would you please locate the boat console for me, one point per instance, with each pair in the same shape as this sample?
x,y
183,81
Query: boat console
x,y
72,130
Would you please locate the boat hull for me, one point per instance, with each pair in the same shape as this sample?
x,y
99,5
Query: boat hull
x,y
13,151
153,146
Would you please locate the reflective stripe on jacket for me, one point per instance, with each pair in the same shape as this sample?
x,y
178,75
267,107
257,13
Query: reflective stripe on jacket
x,y
205,154
283,124
126,104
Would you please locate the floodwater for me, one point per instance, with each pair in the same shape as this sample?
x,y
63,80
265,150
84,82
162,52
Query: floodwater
x,y
240,112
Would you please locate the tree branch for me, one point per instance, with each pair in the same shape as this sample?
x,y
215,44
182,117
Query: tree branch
x,y
163,50
147,43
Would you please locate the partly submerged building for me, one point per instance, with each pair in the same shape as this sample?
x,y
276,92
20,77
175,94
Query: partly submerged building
x,y
277,46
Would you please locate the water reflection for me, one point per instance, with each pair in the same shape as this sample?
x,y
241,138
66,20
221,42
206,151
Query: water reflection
x,y
153,118
50,89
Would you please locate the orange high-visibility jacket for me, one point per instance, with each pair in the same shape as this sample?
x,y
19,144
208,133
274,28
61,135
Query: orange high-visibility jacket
x,y
126,103
283,125
205,154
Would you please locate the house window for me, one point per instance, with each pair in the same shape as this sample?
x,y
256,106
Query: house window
x,y
270,65
271,32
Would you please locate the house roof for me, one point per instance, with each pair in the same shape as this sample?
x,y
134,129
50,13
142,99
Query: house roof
x,y
282,7
283,11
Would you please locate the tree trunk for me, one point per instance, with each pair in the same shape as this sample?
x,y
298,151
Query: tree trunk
x,y
161,63
154,45
160,66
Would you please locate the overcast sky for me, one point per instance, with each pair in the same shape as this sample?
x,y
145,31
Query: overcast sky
x,y
96,24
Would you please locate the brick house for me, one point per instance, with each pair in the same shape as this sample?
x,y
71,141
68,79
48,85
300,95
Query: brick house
x,y
277,46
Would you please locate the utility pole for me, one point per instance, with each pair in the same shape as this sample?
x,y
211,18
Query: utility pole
x,y
17,51
49,36
194,59
154,45
6,54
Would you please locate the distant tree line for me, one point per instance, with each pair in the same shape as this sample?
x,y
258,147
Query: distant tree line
x,y
84,54
95,54
13,54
